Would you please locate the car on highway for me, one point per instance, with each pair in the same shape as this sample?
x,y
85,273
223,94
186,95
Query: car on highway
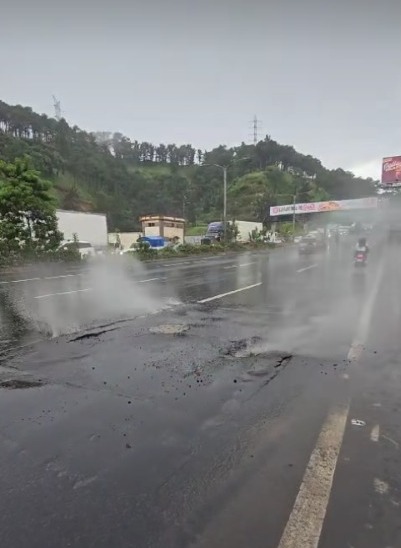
x,y
85,249
311,244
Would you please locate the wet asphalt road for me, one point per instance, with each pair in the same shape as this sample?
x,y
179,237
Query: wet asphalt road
x,y
178,404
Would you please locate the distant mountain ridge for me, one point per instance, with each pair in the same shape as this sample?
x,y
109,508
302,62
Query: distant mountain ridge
x,y
108,172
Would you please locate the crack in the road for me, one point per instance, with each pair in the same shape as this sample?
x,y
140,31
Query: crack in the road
x,y
14,384
92,334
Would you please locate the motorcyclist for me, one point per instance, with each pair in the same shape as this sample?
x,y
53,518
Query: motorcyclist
x,y
362,246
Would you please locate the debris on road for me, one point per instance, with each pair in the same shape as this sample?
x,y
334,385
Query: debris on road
x,y
357,422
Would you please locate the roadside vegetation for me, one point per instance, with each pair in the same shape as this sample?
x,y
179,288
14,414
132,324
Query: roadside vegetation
x,y
146,253
28,222
110,173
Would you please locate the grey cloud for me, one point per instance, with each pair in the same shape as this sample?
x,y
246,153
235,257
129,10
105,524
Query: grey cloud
x,y
321,75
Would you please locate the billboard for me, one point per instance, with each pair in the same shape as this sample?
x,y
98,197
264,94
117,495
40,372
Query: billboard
x,y
391,170
321,207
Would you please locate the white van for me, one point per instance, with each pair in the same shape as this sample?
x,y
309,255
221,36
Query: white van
x,y
85,249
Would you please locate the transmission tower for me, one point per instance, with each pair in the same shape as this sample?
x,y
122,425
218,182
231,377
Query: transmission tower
x,y
255,129
57,108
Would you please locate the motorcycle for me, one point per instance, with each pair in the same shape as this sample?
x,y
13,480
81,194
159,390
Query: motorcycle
x,y
360,258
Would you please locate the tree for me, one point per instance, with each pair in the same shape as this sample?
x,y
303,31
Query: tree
x,y
110,173
28,219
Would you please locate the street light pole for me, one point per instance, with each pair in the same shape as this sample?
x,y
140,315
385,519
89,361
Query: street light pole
x,y
225,202
293,214
225,168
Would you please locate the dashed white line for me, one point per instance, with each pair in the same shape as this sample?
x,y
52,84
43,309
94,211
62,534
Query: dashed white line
x,y
306,520
238,265
176,263
215,297
63,293
149,280
20,281
307,268
375,433
39,279
63,276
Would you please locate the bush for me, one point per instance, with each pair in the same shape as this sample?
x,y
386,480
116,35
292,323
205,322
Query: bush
x,y
29,256
189,249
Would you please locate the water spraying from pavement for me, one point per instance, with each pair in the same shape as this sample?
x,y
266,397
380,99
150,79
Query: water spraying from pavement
x,y
108,289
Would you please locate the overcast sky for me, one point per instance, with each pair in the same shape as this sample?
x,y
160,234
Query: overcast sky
x,y
322,75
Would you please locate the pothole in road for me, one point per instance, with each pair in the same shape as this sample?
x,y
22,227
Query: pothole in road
x,y
17,384
170,329
258,362
242,348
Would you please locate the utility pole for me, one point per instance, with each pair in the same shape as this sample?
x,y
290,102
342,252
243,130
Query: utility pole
x,y
57,108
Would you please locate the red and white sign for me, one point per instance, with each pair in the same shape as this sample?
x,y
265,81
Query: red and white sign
x,y
391,170
320,207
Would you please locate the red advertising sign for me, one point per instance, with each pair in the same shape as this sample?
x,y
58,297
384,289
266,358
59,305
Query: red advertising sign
x,y
320,207
391,170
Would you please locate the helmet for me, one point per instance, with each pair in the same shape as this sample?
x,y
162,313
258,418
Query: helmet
x,y
362,242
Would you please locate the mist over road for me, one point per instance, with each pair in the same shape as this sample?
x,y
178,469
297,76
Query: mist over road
x,y
231,401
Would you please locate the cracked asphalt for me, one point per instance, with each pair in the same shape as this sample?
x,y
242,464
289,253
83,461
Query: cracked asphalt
x,y
184,403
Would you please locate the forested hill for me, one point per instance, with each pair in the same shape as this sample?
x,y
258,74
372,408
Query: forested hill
x,y
110,173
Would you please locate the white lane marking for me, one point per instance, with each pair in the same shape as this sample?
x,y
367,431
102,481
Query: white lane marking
x,y
358,422
305,523
355,352
393,442
151,280
307,268
306,520
175,263
20,281
63,276
247,264
228,267
63,293
38,279
375,433
215,297
363,327
380,486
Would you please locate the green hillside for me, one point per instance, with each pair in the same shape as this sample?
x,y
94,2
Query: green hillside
x,y
109,173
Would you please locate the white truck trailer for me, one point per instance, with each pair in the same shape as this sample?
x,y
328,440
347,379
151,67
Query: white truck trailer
x,y
245,228
89,227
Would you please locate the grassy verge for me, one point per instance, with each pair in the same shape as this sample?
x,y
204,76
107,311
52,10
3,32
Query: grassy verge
x,y
23,259
189,250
